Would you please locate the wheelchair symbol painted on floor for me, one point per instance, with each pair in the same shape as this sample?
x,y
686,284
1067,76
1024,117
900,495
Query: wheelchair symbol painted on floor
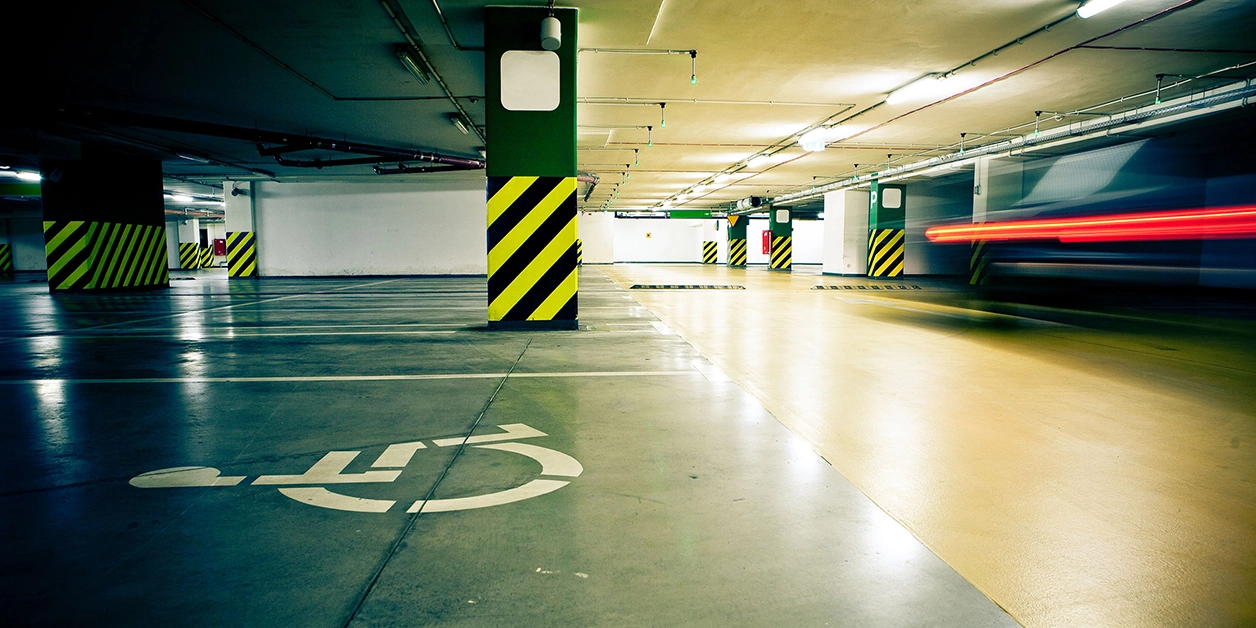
x,y
310,487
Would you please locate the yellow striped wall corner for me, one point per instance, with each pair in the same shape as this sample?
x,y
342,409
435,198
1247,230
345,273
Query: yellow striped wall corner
x,y
710,252
241,255
532,252
189,256
782,252
737,252
885,253
6,258
85,255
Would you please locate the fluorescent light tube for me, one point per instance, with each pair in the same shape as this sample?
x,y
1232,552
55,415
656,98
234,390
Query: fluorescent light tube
x,y
722,177
457,122
923,87
813,141
29,176
1095,7
403,55
182,198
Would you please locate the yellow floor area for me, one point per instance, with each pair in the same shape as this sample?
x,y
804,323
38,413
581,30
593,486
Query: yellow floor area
x,y
1078,475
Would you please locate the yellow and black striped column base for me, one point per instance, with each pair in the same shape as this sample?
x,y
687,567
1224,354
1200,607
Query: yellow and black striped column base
x,y
85,255
579,252
207,257
241,255
885,253
532,281
979,263
189,256
782,253
737,252
710,252
6,258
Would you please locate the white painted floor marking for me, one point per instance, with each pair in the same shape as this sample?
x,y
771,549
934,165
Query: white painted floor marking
x,y
552,462
513,431
328,471
346,378
535,488
663,328
398,455
179,477
324,498
711,371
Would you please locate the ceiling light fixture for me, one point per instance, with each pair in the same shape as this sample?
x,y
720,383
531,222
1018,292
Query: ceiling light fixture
x,y
758,161
551,30
813,141
922,87
182,198
29,176
662,115
700,188
456,120
407,60
1095,7
723,177
649,134
636,156
693,64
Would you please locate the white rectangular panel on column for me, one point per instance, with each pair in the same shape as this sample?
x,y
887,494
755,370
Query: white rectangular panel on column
x,y
846,233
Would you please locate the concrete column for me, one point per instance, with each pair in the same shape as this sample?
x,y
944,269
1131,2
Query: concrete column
x,y
190,244
104,222
737,241
979,256
241,230
530,106
782,226
887,215
6,249
845,233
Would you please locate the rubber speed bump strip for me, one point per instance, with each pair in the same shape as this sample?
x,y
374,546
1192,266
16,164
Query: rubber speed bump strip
x,y
189,256
885,253
241,255
710,252
86,255
532,249
737,252
782,252
871,287
672,286
207,257
6,258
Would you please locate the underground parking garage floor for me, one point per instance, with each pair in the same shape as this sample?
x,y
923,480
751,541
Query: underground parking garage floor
x,y
362,452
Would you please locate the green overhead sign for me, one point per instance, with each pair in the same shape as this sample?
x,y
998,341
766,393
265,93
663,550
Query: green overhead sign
x,y
19,189
690,213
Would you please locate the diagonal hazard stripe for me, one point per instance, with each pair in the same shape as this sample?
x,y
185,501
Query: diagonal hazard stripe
x,y
557,300
500,201
532,273
509,245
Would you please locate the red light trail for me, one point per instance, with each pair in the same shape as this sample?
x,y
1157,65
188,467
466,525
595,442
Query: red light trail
x,y
1194,224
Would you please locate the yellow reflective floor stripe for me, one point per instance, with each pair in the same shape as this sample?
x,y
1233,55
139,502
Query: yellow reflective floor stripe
x,y
527,227
556,300
506,196
533,273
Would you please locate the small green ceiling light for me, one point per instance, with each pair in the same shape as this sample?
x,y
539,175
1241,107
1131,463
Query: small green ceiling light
x,y
649,130
961,143
662,115
1037,118
1159,81
636,156
693,61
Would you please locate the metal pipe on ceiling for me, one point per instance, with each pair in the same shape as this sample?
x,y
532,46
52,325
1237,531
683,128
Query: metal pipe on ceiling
x,y
397,15
654,102
449,33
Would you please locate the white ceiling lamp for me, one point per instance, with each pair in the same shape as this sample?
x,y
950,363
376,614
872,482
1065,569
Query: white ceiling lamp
x,y
182,198
813,141
29,176
723,177
920,89
407,60
456,120
759,161
700,188
1095,7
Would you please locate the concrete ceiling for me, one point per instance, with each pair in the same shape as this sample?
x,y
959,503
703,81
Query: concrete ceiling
x,y
327,69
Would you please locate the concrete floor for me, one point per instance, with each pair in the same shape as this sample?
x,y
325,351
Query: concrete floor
x,y
1082,468
633,485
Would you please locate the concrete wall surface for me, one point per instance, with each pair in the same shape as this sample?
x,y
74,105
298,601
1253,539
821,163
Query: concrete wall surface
x,y
659,239
26,236
429,226
597,233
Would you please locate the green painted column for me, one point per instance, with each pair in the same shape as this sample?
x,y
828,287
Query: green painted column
x,y
887,213
737,241
782,225
104,222
531,128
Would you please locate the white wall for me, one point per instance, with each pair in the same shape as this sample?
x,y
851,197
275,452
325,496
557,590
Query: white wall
x,y
26,236
429,226
597,236
172,244
808,243
754,241
660,239
846,233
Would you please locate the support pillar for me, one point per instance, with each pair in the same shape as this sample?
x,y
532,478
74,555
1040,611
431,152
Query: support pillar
x,y
104,222
190,244
241,230
737,241
886,220
531,121
782,226
6,249
979,257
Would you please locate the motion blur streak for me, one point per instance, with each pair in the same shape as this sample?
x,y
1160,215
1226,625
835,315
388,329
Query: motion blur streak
x,y
1195,224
